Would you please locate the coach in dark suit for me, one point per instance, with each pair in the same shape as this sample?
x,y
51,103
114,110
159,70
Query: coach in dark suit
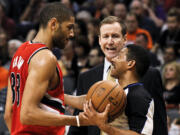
x,y
111,47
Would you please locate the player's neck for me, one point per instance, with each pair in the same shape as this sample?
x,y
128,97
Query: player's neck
x,y
43,37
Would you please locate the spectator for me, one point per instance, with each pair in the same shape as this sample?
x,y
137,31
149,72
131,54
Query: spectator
x,y
144,22
133,30
142,40
84,15
171,36
82,51
171,83
107,8
120,11
81,28
13,45
98,5
169,54
95,57
67,3
93,32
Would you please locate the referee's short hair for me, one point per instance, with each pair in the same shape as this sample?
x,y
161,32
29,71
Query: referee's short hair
x,y
140,55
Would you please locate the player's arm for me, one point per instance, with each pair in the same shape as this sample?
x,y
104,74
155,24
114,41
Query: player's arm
x,y
8,108
75,101
100,119
41,69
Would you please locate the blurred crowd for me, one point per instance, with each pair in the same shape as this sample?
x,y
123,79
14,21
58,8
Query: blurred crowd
x,y
152,24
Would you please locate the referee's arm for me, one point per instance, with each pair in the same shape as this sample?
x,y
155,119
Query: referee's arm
x,y
116,131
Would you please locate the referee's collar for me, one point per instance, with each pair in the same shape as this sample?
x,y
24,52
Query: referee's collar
x,y
133,84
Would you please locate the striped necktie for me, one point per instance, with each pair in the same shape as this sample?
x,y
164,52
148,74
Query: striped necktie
x,y
109,77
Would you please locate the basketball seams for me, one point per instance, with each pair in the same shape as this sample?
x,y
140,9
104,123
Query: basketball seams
x,y
117,94
106,96
95,89
122,96
118,113
123,108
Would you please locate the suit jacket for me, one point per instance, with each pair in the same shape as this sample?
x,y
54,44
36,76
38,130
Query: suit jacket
x,y
152,82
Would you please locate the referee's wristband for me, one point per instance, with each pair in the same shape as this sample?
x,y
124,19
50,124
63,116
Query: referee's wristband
x,y
78,122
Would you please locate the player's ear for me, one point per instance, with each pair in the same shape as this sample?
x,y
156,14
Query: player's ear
x,y
53,24
131,64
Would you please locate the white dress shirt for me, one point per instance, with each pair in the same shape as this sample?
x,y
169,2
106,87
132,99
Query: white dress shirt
x,y
107,65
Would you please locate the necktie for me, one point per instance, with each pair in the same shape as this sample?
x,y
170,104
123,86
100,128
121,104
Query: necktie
x,y
109,77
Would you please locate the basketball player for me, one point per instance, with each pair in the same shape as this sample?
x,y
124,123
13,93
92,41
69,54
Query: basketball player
x,y
35,99
129,67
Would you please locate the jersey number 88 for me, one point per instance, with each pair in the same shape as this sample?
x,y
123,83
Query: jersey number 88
x,y
15,86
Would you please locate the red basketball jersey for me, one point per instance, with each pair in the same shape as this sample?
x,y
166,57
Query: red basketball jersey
x,y
52,101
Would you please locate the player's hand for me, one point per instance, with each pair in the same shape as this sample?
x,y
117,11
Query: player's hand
x,y
84,120
94,117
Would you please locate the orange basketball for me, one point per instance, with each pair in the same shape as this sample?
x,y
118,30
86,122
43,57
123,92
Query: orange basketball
x,y
107,92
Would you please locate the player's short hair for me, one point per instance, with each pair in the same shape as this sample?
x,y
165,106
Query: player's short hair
x,y
140,55
113,19
57,10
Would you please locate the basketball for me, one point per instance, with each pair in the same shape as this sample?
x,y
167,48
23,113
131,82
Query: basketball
x,y
107,92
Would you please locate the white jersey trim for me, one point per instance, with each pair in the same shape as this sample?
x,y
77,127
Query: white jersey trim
x,y
35,53
148,126
55,99
47,108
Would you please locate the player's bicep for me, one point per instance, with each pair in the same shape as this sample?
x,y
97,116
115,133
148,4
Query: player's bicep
x,y
40,73
34,89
